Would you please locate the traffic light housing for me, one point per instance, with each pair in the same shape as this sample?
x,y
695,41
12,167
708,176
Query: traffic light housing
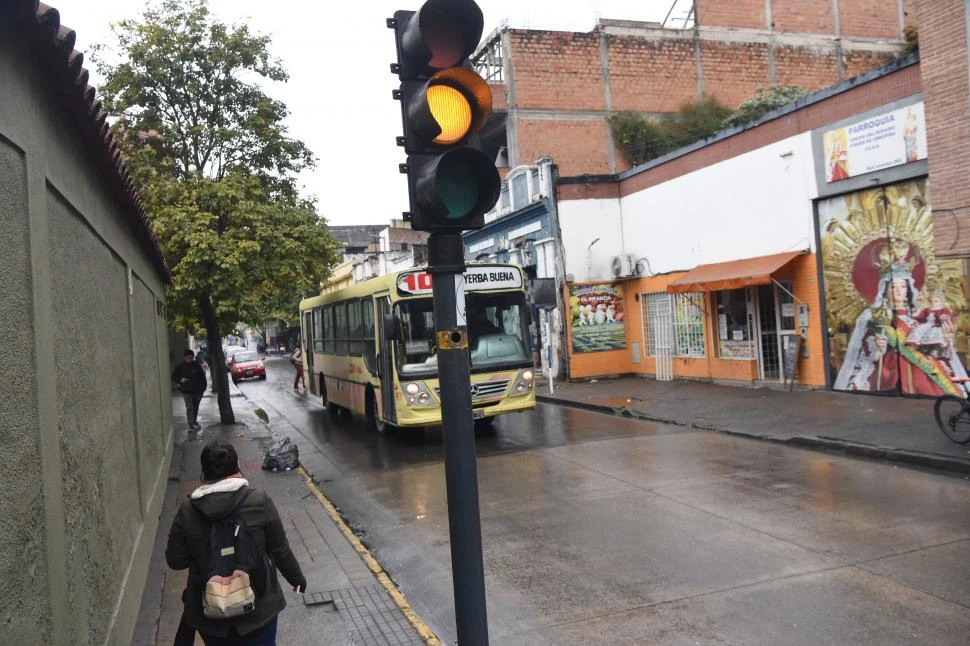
x,y
444,103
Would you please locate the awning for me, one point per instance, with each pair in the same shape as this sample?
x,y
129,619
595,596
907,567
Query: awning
x,y
732,274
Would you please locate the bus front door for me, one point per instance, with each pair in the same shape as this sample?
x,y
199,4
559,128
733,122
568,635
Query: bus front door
x,y
385,362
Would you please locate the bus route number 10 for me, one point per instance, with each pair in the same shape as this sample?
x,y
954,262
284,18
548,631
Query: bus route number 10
x,y
415,283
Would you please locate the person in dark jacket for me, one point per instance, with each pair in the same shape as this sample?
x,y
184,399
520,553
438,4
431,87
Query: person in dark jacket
x,y
224,486
190,378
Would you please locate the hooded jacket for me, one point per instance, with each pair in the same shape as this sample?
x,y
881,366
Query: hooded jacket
x,y
185,543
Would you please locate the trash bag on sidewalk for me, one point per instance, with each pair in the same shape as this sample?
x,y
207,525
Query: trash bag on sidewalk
x,y
282,456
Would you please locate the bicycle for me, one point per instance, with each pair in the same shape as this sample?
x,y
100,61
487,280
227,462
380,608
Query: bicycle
x,y
953,414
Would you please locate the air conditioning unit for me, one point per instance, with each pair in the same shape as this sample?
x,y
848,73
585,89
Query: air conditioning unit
x,y
623,265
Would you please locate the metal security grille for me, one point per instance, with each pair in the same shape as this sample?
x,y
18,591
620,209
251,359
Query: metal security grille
x,y
658,332
686,314
689,325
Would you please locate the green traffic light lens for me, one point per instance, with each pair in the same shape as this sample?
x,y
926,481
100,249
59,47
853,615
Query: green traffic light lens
x,y
457,189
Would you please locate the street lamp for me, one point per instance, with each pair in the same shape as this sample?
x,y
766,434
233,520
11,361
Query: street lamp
x,y
589,259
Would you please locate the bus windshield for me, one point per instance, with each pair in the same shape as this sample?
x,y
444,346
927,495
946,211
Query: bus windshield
x,y
498,335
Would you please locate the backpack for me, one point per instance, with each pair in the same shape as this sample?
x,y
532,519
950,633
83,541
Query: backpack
x,y
233,570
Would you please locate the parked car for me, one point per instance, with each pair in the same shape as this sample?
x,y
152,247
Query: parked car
x,y
246,364
230,350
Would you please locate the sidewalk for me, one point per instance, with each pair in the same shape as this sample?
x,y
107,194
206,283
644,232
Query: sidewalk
x,y
347,600
890,428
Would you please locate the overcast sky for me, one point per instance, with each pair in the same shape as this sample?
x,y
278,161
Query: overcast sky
x,y
351,128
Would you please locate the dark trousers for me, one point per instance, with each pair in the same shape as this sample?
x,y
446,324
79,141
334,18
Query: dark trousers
x,y
299,376
264,636
192,401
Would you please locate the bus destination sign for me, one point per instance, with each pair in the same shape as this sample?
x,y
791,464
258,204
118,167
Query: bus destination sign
x,y
476,279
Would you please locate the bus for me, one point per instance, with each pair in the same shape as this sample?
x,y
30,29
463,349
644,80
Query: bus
x,y
371,348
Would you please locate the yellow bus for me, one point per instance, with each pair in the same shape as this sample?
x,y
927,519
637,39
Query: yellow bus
x,y
370,348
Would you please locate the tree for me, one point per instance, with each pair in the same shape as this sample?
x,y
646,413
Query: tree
x,y
215,169
764,101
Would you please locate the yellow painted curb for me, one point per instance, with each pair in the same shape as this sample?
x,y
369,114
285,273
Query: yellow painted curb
x,y
423,629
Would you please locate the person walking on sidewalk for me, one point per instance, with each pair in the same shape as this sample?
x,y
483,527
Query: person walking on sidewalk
x,y
297,360
226,494
190,379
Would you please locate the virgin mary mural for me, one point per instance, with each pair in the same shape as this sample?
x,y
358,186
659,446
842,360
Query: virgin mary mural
x,y
897,317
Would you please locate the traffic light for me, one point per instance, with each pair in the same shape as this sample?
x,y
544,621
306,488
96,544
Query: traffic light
x,y
444,103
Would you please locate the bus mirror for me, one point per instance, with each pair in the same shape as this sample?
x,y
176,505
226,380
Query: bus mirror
x,y
391,329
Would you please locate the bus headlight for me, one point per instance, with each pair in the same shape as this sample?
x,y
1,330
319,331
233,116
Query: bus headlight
x,y
419,395
523,383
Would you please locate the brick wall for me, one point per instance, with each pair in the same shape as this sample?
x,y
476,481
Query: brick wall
x,y
748,14
810,68
943,53
803,16
870,18
864,18
734,71
651,75
557,70
653,70
579,147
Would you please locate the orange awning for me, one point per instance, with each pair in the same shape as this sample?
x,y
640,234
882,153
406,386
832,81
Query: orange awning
x,y
732,274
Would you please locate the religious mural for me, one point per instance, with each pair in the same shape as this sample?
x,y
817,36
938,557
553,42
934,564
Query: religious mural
x,y
898,318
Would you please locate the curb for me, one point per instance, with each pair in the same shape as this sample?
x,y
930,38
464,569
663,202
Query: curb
x,y
820,443
419,625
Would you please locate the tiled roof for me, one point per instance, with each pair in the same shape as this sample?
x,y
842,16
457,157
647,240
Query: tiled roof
x,y
53,44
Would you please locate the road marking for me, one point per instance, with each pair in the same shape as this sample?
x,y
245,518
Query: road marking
x,y
419,625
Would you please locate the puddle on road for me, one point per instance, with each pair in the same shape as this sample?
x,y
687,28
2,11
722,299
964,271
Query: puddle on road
x,y
619,402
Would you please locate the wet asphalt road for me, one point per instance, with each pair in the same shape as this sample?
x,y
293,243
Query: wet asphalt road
x,y
603,530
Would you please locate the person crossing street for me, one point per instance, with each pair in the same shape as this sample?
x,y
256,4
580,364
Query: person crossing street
x,y
297,360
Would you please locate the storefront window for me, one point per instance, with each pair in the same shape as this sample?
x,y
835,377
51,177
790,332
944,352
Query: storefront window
x,y
734,335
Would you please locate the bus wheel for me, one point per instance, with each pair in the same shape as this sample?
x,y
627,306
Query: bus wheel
x,y
332,408
373,417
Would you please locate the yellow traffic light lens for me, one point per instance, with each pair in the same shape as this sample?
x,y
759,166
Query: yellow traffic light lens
x,y
452,111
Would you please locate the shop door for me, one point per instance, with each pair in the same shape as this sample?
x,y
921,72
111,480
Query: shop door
x,y
769,357
896,315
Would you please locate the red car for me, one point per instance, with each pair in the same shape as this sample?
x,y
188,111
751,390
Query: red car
x,y
246,364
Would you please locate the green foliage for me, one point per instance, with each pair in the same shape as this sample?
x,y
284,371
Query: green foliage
x,y
214,165
912,39
764,101
642,139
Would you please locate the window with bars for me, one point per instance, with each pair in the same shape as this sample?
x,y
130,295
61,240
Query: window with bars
x,y
688,322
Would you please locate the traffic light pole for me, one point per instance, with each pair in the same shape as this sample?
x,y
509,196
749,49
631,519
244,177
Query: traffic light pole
x,y
446,255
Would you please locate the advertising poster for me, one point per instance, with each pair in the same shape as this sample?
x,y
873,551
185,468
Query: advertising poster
x,y
889,139
597,317
898,321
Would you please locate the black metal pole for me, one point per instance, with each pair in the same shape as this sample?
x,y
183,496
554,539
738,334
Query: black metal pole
x,y
446,256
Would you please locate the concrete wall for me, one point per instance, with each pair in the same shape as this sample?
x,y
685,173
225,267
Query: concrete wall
x,y
87,428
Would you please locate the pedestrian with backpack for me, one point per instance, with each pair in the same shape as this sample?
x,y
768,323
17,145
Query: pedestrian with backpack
x,y
231,539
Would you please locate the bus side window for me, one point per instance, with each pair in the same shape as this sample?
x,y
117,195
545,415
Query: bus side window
x,y
328,330
353,327
340,324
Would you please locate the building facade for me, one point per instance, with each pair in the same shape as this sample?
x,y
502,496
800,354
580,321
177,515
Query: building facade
x,y
553,91
800,244
87,422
